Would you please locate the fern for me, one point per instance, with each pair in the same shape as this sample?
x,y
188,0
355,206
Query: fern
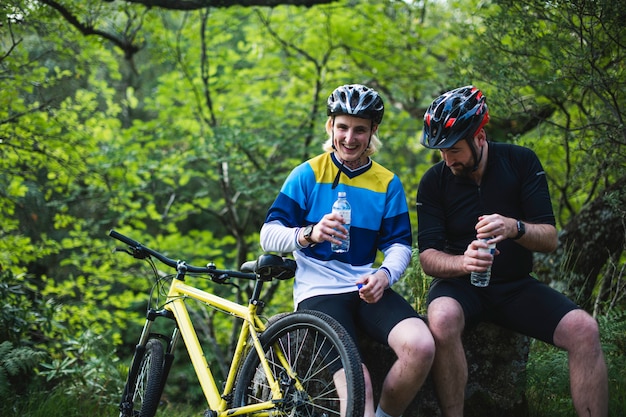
x,y
15,361
613,332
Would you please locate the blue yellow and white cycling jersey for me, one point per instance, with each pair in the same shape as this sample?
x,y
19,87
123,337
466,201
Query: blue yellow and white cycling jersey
x,y
380,221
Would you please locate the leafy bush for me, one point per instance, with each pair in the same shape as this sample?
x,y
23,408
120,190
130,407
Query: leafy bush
x,y
56,403
90,368
38,351
22,316
16,363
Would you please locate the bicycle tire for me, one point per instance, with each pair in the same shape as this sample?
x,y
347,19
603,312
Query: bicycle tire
x,y
145,385
311,342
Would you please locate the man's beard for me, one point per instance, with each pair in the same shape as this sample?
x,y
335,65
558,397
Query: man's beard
x,y
462,170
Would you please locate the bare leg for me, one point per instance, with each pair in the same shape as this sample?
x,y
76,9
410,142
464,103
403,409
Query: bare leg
x,y
340,384
369,394
414,347
446,322
578,333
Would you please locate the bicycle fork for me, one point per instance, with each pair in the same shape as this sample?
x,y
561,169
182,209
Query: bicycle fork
x,y
126,405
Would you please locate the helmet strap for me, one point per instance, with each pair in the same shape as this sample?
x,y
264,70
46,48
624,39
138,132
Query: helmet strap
x,y
332,137
477,158
332,134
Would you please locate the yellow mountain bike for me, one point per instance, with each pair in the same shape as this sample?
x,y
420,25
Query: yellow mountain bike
x,y
298,364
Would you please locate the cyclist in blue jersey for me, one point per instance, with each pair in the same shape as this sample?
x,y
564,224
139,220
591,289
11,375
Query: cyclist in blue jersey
x,y
495,191
346,286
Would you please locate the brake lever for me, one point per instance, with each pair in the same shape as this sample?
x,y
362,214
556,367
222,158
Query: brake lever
x,y
136,253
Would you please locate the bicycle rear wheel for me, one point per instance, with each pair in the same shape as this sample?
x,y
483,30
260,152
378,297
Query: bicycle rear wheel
x,y
316,348
143,388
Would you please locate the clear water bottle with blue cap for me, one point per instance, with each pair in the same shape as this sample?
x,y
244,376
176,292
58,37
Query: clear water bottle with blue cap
x,y
342,207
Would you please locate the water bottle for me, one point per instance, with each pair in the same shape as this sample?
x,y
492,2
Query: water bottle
x,y
481,279
342,207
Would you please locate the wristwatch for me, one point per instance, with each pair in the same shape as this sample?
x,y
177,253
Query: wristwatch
x,y
521,229
307,234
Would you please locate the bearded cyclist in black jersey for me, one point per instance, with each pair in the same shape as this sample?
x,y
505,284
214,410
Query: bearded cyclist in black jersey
x,y
498,192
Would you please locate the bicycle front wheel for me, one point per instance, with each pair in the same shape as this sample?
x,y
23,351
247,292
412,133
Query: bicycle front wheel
x,y
326,376
143,388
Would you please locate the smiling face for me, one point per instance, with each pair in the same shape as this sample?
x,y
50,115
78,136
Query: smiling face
x,y
351,137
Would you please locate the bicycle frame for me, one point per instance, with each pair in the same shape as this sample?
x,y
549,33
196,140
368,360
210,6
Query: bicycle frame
x,y
262,380
178,292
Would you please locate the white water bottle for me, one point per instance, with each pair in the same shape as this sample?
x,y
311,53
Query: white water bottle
x,y
342,207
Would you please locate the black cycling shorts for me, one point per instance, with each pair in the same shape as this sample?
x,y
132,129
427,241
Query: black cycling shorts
x,y
376,320
526,306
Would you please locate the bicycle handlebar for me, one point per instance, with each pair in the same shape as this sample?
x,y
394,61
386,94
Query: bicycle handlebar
x,y
140,251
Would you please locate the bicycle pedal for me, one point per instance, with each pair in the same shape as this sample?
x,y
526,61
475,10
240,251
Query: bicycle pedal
x,y
210,413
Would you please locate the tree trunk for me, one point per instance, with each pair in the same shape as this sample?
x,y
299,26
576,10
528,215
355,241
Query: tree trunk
x,y
496,360
593,237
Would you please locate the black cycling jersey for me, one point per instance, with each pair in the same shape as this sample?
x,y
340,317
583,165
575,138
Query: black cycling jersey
x,y
514,185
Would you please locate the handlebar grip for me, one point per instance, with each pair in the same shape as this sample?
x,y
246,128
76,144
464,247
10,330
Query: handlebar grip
x,y
125,239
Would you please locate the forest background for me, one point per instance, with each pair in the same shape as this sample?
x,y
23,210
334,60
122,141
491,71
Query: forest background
x,y
176,123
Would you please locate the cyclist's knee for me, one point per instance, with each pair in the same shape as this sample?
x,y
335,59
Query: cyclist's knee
x,y
445,318
412,341
578,331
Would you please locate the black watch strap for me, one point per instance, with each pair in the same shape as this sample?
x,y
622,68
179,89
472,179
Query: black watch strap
x,y
521,229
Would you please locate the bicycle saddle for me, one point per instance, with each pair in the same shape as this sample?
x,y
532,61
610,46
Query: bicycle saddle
x,y
269,267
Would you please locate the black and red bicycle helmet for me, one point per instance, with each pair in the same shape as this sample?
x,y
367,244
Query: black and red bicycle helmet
x,y
356,100
455,115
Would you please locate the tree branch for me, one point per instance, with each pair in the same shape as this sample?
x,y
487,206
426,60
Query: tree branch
x,y
201,4
127,46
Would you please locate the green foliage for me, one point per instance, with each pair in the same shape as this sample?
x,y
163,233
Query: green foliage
x,y
24,315
16,362
560,63
613,335
89,368
39,348
184,143
414,284
547,373
23,312
55,402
